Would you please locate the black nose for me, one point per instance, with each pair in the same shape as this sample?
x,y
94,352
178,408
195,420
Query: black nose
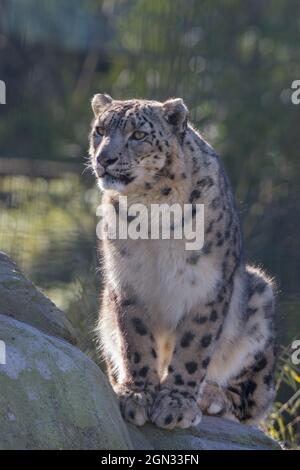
x,y
105,161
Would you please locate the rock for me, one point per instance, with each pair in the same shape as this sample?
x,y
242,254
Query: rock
x,y
53,396
210,434
138,437
20,299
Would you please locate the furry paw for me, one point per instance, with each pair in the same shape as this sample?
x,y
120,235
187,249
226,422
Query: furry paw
x,y
172,409
213,400
135,406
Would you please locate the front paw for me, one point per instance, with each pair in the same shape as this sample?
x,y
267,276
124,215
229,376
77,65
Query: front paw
x,y
135,405
173,409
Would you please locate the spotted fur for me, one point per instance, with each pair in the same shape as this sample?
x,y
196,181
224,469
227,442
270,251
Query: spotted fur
x,y
180,331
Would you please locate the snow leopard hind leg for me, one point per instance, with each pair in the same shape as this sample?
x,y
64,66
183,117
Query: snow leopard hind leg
x,y
240,384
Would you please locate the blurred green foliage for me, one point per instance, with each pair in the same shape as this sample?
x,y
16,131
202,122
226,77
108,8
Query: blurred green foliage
x,y
284,418
49,228
232,61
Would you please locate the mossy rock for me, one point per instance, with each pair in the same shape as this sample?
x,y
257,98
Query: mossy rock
x,y
20,299
53,396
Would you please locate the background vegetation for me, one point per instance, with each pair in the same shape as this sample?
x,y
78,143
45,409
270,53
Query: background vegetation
x,y
232,61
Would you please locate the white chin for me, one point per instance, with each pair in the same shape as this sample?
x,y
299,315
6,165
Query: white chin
x,y
109,182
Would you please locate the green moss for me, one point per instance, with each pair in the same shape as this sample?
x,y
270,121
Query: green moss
x,y
53,396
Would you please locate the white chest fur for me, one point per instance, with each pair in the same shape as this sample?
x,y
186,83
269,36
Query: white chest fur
x,y
161,276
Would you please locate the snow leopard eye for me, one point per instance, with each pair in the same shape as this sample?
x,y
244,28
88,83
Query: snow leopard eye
x,y
138,135
99,130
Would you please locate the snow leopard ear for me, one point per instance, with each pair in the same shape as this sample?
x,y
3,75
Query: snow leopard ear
x,y
99,102
176,113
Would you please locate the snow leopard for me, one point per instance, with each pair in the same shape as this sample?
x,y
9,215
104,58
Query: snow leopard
x,y
183,333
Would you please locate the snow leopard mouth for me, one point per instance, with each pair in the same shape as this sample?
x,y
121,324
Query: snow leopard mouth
x,y
109,178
